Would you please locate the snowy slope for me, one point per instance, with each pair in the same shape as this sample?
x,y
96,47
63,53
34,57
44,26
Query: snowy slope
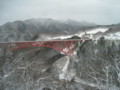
x,y
113,36
88,33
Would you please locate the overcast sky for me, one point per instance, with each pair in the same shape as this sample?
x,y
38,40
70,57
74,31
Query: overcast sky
x,y
97,11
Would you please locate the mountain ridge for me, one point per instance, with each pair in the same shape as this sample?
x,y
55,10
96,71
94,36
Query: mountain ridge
x,y
25,30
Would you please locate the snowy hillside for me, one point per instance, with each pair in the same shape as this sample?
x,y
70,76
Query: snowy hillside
x,y
95,34
93,65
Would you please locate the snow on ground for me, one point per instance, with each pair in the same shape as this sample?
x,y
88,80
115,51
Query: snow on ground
x,y
80,34
94,31
90,33
61,37
66,73
64,70
113,36
53,38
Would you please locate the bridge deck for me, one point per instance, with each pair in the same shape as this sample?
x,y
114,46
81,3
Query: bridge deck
x,y
65,46
44,41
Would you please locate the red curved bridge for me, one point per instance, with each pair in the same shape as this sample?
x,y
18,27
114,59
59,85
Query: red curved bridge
x,y
64,46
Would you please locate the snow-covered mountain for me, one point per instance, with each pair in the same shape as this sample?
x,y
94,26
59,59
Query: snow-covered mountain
x,y
26,30
46,29
92,33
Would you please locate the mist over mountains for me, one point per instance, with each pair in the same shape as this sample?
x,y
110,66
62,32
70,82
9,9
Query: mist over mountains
x,y
25,30
34,29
